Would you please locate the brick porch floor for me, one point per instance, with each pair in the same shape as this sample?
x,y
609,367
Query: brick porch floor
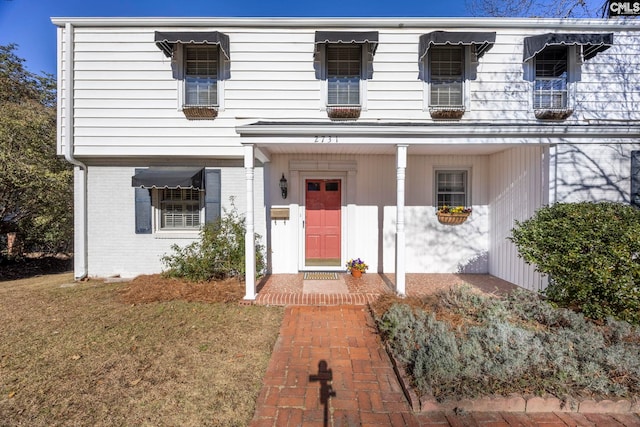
x,y
287,289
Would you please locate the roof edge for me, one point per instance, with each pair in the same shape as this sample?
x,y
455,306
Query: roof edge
x,y
369,22
430,130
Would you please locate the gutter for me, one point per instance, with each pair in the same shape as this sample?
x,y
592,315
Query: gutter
x,y
80,176
438,131
551,24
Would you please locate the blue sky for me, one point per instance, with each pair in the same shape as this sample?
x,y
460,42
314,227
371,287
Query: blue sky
x,y
27,23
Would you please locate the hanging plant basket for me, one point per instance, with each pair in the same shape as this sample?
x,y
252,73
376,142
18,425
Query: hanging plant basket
x,y
452,218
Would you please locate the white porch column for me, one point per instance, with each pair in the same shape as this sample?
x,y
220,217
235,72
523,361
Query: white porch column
x,y
401,165
249,238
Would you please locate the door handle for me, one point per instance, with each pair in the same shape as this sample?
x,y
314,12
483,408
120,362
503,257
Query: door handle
x,y
303,223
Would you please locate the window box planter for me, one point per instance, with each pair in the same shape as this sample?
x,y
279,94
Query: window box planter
x,y
200,112
343,113
447,113
553,114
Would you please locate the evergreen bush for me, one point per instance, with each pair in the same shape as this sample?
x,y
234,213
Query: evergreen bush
x,y
470,344
591,253
219,253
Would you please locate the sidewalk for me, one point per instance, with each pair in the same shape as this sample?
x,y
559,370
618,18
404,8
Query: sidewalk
x,y
328,368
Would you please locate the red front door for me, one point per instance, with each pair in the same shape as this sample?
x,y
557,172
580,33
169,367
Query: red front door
x,y
322,222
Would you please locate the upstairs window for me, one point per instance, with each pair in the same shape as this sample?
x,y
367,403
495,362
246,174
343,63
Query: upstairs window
x,y
200,63
552,64
447,61
550,85
446,73
201,75
343,61
344,72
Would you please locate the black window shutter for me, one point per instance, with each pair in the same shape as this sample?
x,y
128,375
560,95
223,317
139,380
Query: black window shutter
x,y
143,209
212,196
635,178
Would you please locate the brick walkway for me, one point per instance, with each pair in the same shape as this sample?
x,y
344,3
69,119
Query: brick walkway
x,y
328,368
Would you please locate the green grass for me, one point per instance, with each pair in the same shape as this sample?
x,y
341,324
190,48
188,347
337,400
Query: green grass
x,y
77,355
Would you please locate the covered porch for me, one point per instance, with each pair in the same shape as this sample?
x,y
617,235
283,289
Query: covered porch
x,y
295,289
385,176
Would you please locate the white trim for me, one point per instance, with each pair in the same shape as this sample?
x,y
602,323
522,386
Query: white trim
x,y
401,259
81,187
313,23
320,165
178,71
364,75
468,62
464,134
249,237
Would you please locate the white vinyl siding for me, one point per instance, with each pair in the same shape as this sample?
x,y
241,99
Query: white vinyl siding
x,y
446,66
550,87
344,72
518,181
127,101
201,75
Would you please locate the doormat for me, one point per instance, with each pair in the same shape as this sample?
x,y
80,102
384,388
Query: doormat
x,y
320,275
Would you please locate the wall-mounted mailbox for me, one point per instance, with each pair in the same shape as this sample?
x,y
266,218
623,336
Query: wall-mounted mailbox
x,y
279,213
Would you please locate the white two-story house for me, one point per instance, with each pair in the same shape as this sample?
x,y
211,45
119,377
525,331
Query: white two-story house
x,y
340,138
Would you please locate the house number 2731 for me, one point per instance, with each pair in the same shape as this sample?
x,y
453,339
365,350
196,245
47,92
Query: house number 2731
x,y
325,139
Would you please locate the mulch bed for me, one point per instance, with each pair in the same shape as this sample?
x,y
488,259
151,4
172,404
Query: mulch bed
x,y
152,288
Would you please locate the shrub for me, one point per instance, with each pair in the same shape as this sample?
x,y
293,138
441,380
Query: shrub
x,y
472,344
218,254
591,253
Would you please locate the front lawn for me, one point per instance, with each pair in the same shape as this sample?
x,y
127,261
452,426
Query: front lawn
x,y
460,343
93,353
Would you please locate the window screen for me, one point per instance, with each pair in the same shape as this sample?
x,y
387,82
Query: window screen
x,y
344,65
201,75
451,188
180,209
550,91
446,76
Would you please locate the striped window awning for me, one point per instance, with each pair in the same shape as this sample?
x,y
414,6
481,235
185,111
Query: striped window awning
x,y
348,37
592,44
482,41
166,41
169,177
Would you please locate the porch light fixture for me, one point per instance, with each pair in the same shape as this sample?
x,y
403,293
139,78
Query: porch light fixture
x,y
283,186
